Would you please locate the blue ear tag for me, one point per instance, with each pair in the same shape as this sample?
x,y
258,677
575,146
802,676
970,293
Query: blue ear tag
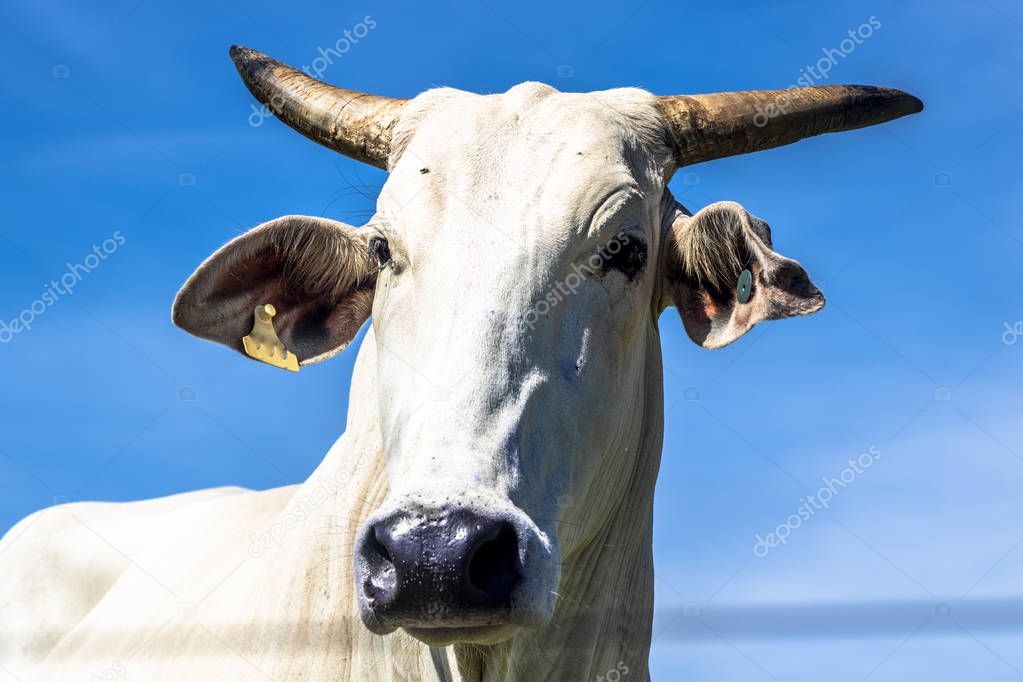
x,y
744,286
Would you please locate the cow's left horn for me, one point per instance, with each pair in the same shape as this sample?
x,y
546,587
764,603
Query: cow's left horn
x,y
704,127
353,123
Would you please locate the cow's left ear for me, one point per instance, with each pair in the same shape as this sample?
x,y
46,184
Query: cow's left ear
x,y
316,273
724,278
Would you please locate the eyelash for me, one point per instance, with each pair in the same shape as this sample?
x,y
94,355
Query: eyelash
x,y
629,259
379,250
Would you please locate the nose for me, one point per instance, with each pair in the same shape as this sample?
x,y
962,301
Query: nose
x,y
456,568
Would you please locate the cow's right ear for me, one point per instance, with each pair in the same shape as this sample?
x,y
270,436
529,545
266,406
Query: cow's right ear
x,y
317,273
723,276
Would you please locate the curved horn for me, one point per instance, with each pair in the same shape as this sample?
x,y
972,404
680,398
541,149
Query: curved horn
x,y
353,123
704,127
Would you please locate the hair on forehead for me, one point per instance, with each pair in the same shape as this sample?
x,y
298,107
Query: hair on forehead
x,y
413,114
632,112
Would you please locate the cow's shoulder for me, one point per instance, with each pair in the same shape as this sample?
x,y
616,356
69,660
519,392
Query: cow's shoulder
x,y
118,521
198,565
59,562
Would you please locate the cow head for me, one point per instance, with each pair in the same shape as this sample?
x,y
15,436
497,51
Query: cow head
x,y
522,250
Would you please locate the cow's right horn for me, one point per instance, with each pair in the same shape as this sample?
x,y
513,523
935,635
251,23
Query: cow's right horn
x,y
353,123
705,127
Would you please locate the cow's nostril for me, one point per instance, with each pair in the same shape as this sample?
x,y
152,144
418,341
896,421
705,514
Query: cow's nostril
x,y
381,579
493,565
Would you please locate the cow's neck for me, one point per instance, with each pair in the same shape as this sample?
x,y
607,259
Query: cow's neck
x,y
604,612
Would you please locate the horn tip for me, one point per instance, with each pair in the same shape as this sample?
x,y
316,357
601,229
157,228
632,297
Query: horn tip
x,y
889,103
907,103
242,55
910,103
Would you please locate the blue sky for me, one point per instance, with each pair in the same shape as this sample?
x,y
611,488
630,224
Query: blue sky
x,y
126,121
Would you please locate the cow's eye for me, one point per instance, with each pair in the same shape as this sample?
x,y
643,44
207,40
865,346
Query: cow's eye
x,y
625,253
379,251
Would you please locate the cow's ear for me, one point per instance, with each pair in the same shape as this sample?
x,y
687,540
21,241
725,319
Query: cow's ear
x,y
724,278
315,272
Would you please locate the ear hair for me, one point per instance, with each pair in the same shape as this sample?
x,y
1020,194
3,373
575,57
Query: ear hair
x,y
321,263
711,249
315,272
716,248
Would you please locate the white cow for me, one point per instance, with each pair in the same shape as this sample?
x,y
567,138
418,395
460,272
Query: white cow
x,y
489,507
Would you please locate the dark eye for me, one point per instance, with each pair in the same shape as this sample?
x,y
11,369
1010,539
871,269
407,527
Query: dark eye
x,y
379,251
624,253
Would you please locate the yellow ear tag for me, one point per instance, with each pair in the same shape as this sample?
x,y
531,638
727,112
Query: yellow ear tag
x,y
263,344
